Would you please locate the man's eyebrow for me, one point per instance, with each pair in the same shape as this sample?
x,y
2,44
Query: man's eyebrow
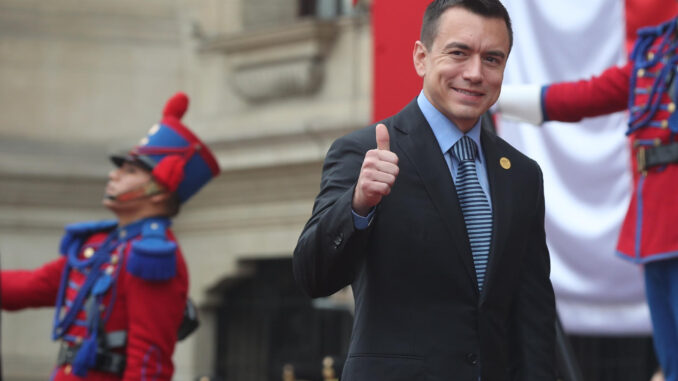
x,y
462,46
458,45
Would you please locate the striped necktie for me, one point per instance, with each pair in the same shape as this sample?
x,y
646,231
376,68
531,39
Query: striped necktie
x,y
474,206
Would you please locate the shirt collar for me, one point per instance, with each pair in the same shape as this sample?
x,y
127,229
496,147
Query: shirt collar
x,y
446,132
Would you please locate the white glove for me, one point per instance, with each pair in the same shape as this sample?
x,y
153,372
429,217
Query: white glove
x,y
521,103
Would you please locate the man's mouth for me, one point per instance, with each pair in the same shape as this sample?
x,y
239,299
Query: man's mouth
x,y
468,92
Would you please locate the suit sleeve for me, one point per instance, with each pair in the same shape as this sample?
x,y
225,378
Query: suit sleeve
x,y
330,248
31,288
599,95
155,310
534,310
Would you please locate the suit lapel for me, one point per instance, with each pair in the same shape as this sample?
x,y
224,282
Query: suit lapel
x,y
502,205
420,146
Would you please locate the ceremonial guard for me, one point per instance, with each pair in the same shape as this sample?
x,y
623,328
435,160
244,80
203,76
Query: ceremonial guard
x,y
120,286
647,87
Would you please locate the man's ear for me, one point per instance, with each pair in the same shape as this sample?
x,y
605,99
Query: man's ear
x,y
419,55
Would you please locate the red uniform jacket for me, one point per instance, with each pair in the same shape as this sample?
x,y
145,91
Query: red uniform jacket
x,y
643,86
149,311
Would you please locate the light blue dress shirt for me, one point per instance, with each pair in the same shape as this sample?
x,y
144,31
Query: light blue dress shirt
x,y
447,134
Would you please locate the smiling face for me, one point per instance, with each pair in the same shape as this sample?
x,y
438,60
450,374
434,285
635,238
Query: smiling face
x,y
464,67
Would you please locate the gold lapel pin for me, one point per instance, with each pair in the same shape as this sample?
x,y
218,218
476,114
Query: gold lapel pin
x,y
505,163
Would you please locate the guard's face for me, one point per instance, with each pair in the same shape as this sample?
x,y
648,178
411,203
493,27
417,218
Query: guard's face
x,y
464,68
126,178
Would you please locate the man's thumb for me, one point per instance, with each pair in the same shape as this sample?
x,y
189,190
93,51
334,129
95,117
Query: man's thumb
x,y
383,140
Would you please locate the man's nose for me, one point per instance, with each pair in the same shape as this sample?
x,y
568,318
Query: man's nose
x,y
473,70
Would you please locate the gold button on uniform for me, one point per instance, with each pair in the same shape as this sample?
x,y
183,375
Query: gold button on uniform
x,y
665,123
641,72
505,163
672,107
650,55
67,369
114,259
123,233
88,252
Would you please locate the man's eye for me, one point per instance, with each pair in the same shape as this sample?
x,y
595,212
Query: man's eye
x,y
130,169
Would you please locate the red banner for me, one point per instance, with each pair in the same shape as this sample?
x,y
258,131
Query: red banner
x,y
395,28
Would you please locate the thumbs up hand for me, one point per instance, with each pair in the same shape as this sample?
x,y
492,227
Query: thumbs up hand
x,y
377,175
383,140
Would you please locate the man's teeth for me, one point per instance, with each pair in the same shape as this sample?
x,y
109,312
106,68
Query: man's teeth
x,y
468,92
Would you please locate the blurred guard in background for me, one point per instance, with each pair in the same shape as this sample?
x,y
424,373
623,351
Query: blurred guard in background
x,y
646,85
120,286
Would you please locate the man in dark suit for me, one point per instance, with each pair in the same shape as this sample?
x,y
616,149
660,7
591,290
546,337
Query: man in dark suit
x,y
440,228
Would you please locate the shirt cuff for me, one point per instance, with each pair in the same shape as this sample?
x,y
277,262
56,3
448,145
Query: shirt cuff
x,y
360,222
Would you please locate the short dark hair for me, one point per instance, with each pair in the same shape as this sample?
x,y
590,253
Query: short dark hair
x,y
486,8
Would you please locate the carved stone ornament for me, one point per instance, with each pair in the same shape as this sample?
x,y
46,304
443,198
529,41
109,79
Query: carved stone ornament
x,y
278,62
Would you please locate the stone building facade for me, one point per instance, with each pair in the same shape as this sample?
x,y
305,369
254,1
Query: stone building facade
x,y
272,84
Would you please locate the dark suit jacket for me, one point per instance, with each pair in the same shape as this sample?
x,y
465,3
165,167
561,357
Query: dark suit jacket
x,y
418,312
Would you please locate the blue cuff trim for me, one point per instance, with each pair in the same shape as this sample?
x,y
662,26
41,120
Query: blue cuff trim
x,y
544,115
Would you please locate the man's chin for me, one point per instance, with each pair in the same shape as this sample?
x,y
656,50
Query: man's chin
x,y
107,201
465,118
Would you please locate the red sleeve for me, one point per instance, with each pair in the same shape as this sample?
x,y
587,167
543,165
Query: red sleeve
x,y
600,95
155,311
31,288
